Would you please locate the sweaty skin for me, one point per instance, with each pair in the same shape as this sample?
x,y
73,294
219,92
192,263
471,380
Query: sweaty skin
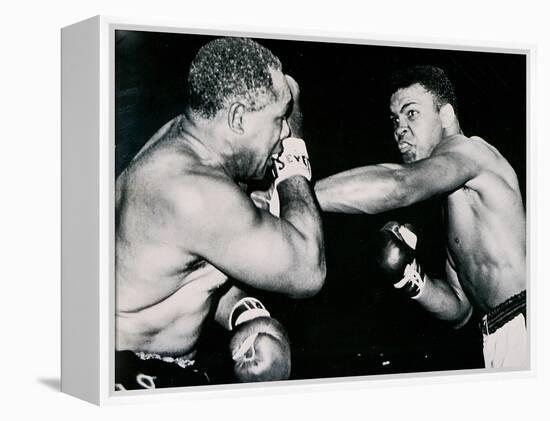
x,y
183,225
484,210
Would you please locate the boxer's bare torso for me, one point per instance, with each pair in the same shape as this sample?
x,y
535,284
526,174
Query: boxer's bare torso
x,y
486,230
182,218
163,291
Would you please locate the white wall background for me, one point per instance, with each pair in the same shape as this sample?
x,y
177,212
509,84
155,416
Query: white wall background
x,y
30,222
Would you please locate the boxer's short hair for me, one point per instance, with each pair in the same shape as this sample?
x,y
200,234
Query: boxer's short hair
x,y
432,78
231,69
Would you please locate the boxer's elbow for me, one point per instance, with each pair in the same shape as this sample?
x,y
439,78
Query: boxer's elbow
x,y
462,316
310,286
394,191
316,269
402,190
310,275
306,258
316,280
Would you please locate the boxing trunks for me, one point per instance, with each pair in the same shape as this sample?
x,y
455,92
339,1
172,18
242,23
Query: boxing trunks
x,y
505,342
152,371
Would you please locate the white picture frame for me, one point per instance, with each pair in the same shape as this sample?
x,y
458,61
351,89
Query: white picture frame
x,y
88,177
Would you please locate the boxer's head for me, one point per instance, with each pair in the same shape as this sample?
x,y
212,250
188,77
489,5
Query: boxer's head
x,y
241,83
423,110
227,70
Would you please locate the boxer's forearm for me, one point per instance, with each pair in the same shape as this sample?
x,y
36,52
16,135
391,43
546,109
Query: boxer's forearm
x,y
300,210
444,303
371,189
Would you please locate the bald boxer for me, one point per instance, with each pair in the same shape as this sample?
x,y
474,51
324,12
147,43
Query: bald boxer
x,y
485,217
184,223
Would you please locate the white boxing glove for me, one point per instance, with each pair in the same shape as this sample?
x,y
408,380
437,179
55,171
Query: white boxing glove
x,y
259,346
293,160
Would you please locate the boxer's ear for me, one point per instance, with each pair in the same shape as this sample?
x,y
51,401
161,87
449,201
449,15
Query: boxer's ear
x,y
447,115
236,117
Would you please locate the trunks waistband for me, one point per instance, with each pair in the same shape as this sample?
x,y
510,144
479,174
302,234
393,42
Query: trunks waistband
x,y
503,313
183,362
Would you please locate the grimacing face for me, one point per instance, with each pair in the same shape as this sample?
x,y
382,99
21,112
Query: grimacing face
x,y
268,126
417,125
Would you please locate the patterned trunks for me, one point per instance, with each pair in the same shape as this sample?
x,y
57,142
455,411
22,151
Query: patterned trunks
x,y
151,371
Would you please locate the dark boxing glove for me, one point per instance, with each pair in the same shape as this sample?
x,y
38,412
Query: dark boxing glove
x,y
259,346
395,246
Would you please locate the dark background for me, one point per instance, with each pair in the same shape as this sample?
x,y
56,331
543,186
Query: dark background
x,y
356,325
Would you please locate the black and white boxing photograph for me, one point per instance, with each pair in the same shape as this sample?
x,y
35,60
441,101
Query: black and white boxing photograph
x,y
297,209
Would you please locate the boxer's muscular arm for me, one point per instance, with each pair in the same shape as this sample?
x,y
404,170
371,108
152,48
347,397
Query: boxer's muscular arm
x,y
445,299
379,188
395,253
219,223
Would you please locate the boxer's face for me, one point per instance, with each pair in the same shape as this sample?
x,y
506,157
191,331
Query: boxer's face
x,y
417,126
267,127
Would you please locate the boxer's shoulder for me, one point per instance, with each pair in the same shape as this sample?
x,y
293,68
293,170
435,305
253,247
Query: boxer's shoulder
x,y
198,200
202,186
456,143
474,147
474,154
492,168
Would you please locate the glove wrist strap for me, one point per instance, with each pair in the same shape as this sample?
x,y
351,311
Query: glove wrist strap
x,y
413,280
246,309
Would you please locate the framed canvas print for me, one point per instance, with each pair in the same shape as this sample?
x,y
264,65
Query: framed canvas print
x,y
245,210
